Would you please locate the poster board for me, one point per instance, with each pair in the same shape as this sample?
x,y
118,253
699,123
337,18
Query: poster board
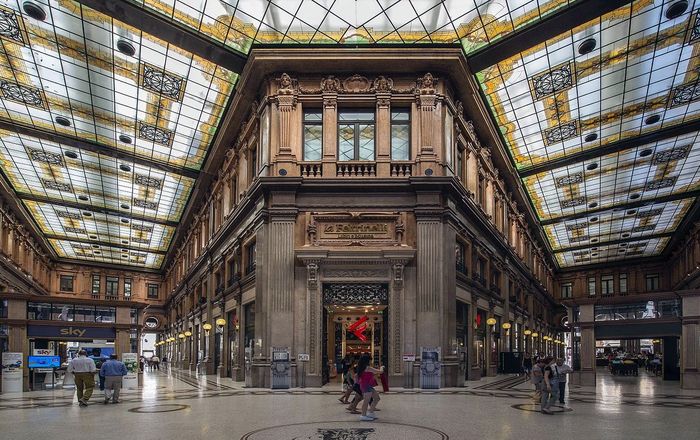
x,y
12,372
131,361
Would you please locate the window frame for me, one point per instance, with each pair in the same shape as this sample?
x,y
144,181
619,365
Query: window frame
x,y
127,291
96,283
399,123
567,290
311,123
592,283
149,291
63,277
655,281
356,134
607,284
112,286
623,286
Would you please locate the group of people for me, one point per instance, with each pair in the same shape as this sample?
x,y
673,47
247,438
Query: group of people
x,y
111,373
359,378
152,363
548,375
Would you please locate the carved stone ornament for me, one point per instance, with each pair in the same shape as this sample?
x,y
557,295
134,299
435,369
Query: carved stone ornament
x,y
382,84
383,101
397,275
330,84
357,229
356,84
426,84
354,273
460,109
312,275
311,230
287,84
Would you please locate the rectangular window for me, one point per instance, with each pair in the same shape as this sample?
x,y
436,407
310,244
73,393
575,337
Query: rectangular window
x,y
84,313
62,312
250,258
313,135
400,135
233,196
253,155
3,308
607,285
459,257
66,283
591,286
460,163
355,135
567,290
652,282
105,314
623,283
153,291
95,285
127,287
112,286
39,311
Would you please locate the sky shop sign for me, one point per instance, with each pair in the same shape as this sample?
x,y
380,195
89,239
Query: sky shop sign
x,y
70,332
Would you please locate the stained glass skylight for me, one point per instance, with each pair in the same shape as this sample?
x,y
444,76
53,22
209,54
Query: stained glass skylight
x,y
240,23
630,72
86,77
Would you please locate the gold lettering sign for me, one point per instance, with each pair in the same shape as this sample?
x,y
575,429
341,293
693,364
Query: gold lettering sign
x,y
356,231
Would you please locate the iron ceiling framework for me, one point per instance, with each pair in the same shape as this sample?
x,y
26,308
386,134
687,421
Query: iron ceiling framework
x,y
106,127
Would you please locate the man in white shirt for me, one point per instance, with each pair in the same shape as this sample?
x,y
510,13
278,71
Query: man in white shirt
x,y
83,368
560,370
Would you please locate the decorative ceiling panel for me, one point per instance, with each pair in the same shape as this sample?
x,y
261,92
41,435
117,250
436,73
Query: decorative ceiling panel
x,y
618,224
63,174
240,23
670,166
105,254
93,227
83,74
613,252
630,72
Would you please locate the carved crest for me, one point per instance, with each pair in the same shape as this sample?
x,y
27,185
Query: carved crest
x,y
356,84
330,84
382,84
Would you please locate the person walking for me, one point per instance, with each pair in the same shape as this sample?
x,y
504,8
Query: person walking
x,y
155,361
527,365
348,379
537,376
367,382
83,369
113,370
560,371
550,387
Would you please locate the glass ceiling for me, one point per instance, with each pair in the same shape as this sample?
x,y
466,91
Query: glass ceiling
x,y
630,72
240,23
82,75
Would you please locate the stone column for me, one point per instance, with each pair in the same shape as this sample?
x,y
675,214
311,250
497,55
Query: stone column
x,y
690,342
286,106
329,89
314,316
209,367
472,171
586,376
428,124
383,138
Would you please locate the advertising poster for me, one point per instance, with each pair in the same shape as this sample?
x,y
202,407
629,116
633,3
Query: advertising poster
x,y
12,364
131,361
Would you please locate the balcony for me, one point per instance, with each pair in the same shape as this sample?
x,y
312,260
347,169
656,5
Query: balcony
x,y
401,169
479,279
233,280
311,169
356,169
462,267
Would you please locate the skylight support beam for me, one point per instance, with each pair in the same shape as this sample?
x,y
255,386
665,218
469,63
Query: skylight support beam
x,y
580,12
87,207
612,242
623,206
170,31
93,147
614,147
103,243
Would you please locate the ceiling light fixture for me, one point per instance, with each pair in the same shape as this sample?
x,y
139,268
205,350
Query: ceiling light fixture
x,y
125,206
33,10
677,9
61,120
125,168
124,138
87,214
71,154
125,220
645,152
593,205
626,235
592,166
590,137
92,237
124,46
83,198
635,196
587,46
593,219
653,119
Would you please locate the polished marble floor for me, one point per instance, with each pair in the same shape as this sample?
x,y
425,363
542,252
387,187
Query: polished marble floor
x,y
180,405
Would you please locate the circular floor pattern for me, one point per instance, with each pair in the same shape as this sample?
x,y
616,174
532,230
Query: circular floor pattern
x,y
166,407
533,407
346,431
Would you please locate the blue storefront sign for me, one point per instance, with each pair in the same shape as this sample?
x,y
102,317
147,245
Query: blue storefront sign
x,y
70,332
